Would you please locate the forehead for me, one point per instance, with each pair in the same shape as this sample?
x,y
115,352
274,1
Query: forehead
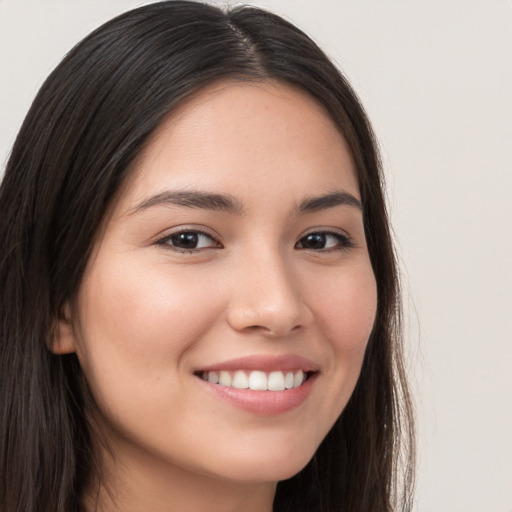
x,y
231,134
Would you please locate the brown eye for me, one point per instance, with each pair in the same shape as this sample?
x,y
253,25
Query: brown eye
x,y
189,241
323,241
185,240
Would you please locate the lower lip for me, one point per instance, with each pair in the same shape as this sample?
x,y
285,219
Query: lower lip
x,y
264,403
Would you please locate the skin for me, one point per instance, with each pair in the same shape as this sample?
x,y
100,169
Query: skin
x,y
148,314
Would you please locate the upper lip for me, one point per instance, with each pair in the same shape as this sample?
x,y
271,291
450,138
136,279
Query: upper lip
x,y
266,363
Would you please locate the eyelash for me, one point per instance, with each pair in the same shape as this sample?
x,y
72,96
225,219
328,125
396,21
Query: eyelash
x,y
344,242
167,238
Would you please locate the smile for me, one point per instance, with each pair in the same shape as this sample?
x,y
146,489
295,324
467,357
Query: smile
x,y
257,380
261,384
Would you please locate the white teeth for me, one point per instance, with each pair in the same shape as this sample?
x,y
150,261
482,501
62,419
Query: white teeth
x,y
213,377
257,380
240,380
276,381
225,379
298,379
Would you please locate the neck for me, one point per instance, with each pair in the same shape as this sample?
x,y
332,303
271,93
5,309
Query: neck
x,y
136,482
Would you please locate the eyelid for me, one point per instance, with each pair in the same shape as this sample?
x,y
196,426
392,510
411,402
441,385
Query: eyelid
x,y
162,239
347,242
325,229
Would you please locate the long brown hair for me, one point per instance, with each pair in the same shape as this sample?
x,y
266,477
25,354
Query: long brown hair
x,y
89,121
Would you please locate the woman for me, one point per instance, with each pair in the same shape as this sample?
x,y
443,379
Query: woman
x,y
199,293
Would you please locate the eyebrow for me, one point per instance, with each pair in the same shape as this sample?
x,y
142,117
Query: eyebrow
x,y
330,200
193,199
228,203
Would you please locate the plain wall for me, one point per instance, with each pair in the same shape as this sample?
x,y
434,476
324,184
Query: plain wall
x,y
436,79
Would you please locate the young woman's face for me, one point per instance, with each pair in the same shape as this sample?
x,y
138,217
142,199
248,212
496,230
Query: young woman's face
x,y
236,251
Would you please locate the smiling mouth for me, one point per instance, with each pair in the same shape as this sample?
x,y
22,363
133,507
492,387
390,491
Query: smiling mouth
x,y
257,380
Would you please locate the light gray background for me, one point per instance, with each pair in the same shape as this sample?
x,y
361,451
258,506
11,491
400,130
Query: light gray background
x,y
436,79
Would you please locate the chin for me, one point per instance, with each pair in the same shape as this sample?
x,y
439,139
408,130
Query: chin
x,y
272,466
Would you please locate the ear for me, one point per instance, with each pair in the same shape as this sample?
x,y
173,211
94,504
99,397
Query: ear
x,y
64,334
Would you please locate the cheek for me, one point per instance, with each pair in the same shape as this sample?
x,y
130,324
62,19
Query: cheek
x,y
138,321
144,301
345,313
346,308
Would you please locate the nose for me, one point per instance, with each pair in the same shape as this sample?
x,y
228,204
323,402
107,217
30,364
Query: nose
x,y
267,298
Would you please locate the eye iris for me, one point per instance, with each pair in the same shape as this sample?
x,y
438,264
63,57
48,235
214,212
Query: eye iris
x,y
185,240
314,241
